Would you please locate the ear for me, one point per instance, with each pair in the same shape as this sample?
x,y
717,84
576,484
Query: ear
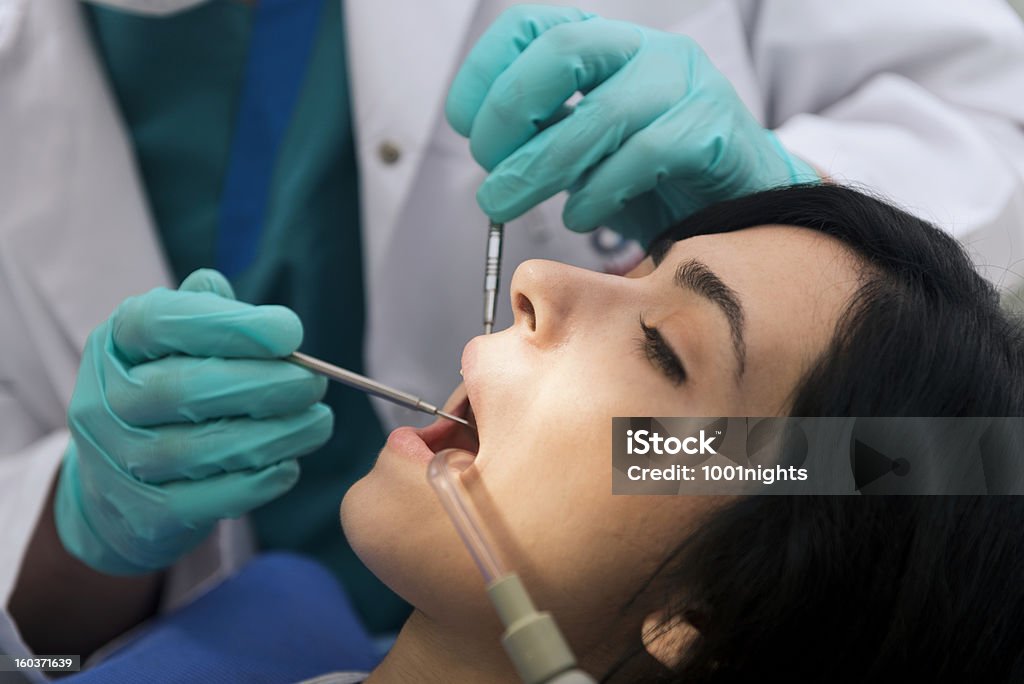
x,y
666,638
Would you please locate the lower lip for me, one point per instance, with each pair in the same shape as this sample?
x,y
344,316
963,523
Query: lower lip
x,y
407,442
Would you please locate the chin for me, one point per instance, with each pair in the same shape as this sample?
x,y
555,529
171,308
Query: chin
x,y
377,515
367,526
351,518
404,537
395,523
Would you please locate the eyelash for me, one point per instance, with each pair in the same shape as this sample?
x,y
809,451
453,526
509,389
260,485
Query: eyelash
x,y
658,352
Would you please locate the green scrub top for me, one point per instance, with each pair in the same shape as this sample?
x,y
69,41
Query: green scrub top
x,y
178,81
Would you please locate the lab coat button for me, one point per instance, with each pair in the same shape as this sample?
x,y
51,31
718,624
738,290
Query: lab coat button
x,y
389,152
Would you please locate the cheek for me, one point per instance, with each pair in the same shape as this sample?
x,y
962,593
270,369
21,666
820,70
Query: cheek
x,y
545,494
553,445
581,552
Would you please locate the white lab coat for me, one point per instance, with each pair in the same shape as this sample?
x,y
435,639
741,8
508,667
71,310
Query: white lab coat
x,y
923,100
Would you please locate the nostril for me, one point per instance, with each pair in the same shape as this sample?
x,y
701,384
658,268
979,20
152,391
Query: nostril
x,y
525,307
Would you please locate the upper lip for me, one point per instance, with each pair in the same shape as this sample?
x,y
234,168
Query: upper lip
x,y
469,375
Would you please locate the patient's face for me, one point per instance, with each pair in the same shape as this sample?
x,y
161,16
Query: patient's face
x,y
732,322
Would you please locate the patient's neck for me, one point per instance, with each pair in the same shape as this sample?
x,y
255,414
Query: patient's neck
x,y
426,652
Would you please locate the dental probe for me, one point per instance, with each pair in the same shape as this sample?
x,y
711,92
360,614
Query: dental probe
x,y
492,273
365,384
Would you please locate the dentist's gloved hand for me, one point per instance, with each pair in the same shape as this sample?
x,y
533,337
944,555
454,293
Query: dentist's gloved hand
x,y
658,134
183,414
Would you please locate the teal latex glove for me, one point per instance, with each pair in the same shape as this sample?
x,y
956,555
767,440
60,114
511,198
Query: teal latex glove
x,y
658,134
183,414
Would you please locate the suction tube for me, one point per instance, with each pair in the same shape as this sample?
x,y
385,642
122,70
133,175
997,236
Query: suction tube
x,y
532,639
443,473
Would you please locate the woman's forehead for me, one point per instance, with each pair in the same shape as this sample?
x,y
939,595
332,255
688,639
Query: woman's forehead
x,y
762,251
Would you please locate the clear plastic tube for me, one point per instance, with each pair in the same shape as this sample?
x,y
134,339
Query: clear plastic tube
x,y
532,640
443,473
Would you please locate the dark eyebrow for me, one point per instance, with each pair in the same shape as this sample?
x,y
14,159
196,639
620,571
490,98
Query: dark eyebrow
x,y
697,277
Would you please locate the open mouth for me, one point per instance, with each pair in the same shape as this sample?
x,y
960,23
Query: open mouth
x,y
422,444
447,434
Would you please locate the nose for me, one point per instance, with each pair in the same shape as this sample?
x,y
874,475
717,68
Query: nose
x,y
550,299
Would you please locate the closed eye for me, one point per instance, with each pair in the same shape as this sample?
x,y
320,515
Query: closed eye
x,y
660,354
